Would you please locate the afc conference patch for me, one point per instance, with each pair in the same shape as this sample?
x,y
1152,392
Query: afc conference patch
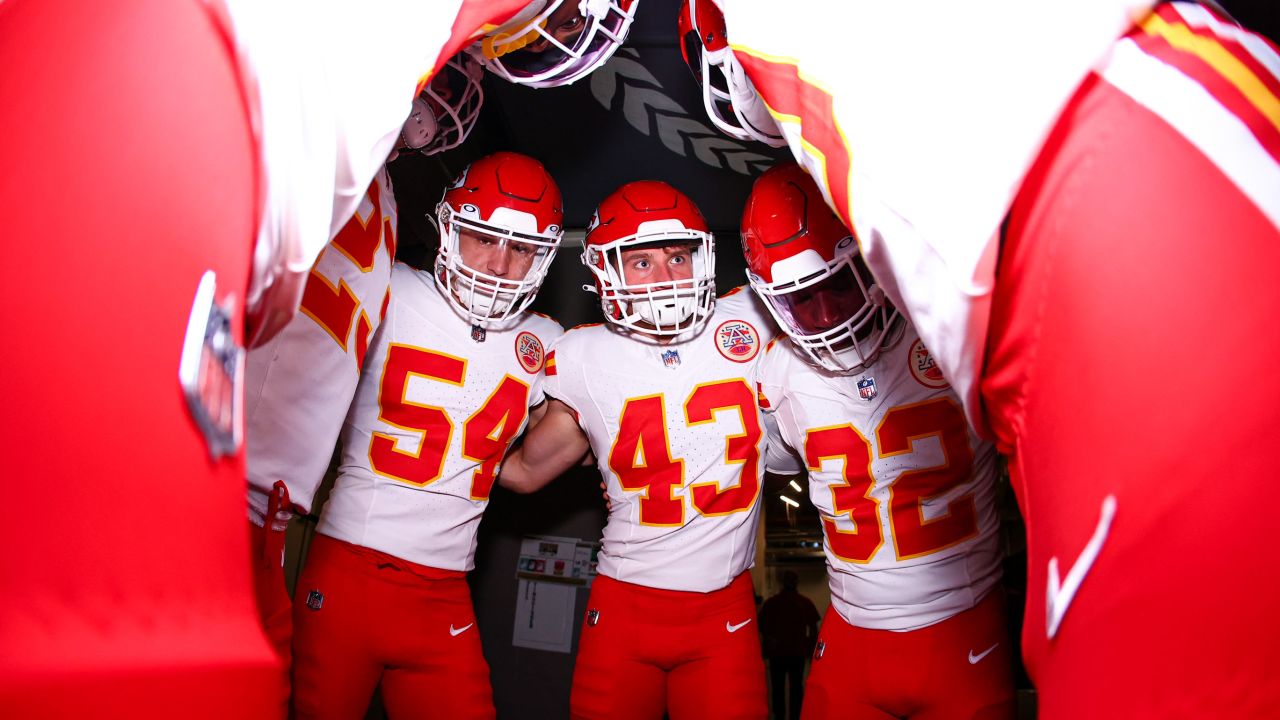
x,y
529,352
737,341
923,368
867,388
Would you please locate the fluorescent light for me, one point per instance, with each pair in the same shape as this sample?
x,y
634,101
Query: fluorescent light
x,y
788,501
797,487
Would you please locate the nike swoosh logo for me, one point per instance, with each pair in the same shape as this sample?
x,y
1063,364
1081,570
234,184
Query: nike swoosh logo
x,y
458,631
735,628
1061,592
975,659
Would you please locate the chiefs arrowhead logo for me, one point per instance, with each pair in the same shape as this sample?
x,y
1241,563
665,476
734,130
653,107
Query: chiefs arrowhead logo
x,y
737,340
923,368
529,352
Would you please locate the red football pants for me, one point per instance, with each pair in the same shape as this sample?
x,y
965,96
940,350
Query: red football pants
x,y
644,650
959,668
130,169
362,617
1132,378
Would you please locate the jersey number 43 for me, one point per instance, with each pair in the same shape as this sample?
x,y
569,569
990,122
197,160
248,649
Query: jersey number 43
x,y
641,454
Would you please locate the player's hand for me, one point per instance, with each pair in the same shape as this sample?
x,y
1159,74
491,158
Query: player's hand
x,y
604,489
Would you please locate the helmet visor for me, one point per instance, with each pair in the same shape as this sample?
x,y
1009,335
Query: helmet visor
x,y
823,306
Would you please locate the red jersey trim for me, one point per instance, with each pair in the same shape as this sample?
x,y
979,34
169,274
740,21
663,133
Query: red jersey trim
x,y
1225,69
791,97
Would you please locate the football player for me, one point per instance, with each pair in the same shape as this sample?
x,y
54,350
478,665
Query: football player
x,y
904,487
1077,206
300,383
453,371
231,142
662,394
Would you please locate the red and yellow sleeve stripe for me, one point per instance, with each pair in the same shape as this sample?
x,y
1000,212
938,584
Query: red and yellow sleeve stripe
x,y
1214,54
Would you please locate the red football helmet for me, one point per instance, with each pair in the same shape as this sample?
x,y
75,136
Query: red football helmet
x,y
641,215
731,100
447,108
556,42
806,266
505,201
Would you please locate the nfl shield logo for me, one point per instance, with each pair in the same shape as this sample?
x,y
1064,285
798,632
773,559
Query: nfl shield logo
x,y
867,388
671,358
477,333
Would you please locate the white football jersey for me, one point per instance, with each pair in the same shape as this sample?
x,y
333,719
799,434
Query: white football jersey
x,y
904,487
679,439
432,418
299,385
919,124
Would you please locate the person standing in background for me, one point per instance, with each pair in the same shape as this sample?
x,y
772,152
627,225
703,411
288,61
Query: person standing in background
x,y
789,626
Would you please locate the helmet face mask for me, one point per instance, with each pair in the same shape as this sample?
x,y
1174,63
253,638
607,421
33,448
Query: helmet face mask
x,y
447,109
667,307
838,317
500,226
806,266
642,225
555,43
482,297
730,98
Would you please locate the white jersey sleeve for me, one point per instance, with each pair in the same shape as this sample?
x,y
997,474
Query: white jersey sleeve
x,y
677,435
856,89
904,488
335,82
299,385
435,412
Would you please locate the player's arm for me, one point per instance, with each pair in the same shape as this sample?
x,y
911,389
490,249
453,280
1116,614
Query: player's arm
x,y
536,412
552,446
780,458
